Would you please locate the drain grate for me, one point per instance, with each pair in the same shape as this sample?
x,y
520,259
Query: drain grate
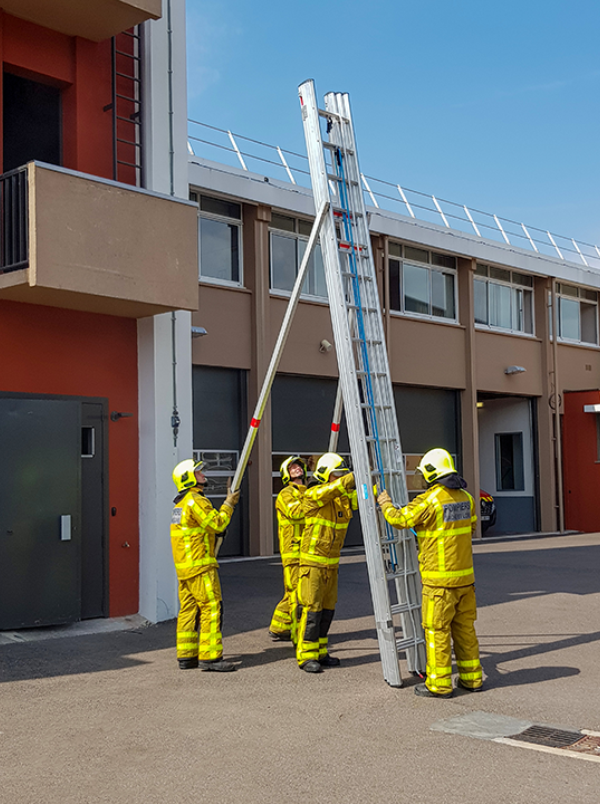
x,y
545,735
587,745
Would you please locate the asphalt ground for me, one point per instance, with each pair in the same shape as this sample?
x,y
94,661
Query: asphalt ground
x,y
109,717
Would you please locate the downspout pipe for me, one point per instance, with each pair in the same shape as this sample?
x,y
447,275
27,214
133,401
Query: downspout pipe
x,y
175,419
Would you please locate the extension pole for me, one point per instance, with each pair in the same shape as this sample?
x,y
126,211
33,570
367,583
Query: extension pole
x,y
337,418
278,351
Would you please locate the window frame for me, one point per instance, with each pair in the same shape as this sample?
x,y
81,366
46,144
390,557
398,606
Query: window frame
x,y
195,195
579,300
402,260
298,238
515,288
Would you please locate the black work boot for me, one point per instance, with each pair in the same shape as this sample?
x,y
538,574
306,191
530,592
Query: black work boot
x,y
188,664
285,637
329,661
460,684
217,666
311,667
423,692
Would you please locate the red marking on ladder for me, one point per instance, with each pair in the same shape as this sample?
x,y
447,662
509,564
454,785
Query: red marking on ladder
x,y
255,423
335,427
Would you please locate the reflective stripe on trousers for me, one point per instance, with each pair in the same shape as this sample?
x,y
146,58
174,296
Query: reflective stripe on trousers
x,y
199,619
285,616
449,615
317,595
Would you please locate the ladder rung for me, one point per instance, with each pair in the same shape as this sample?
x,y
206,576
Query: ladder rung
x,y
391,576
410,642
333,147
401,608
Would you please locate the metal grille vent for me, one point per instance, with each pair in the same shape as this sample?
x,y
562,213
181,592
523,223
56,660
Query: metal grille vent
x,y
544,735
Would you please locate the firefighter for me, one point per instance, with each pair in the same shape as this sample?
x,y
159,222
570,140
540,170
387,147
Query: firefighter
x,y
328,504
194,528
290,518
444,519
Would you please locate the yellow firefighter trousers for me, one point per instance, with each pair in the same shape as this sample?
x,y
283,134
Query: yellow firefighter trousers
x,y
317,594
200,615
451,614
285,616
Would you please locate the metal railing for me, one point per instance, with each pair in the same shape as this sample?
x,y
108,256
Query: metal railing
x,y
226,147
14,221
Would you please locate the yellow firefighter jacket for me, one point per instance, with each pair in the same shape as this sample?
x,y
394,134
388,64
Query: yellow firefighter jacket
x,y
444,519
328,510
194,528
290,516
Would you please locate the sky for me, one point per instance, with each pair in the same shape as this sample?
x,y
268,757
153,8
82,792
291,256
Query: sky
x,y
492,105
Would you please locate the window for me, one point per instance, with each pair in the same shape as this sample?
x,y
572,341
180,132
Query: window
x,y
577,314
422,282
289,237
220,235
503,299
509,462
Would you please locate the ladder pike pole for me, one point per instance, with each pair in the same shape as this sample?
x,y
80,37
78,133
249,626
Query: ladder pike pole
x,y
284,331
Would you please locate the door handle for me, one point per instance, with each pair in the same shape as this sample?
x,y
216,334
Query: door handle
x,y
65,528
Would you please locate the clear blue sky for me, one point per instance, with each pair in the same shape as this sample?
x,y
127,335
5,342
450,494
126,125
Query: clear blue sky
x,y
493,105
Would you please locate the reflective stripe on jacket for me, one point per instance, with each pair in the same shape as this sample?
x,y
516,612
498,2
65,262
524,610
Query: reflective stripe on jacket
x,y
328,510
444,520
194,527
290,516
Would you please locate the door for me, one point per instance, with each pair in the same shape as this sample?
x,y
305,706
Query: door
x,y
581,460
40,445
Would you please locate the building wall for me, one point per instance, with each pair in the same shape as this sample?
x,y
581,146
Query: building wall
x,y
82,70
63,352
460,358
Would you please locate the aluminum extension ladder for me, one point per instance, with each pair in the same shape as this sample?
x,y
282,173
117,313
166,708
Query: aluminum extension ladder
x,y
364,378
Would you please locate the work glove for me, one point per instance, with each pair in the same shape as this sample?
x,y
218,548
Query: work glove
x,y
232,498
384,499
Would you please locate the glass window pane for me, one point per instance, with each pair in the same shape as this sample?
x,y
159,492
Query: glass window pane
x,y
500,303
394,249
500,273
416,254
589,328
443,260
568,290
568,310
283,222
442,294
314,283
510,475
527,303
283,262
305,227
590,295
481,301
394,267
481,270
522,279
219,206
416,289
219,250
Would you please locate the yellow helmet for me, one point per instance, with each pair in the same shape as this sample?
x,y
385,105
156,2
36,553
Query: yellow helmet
x,y
328,463
284,469
183,474
435,464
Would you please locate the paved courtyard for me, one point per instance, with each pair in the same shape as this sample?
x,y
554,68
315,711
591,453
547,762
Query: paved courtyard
x,y
108,717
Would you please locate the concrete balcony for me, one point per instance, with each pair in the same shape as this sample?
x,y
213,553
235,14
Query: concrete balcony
x,y
74,241
90,19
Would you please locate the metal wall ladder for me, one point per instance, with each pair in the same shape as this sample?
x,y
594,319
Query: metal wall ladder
x,y
364,378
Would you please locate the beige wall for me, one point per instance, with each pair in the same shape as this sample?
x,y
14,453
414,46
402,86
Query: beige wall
x,y
226,314
101,247
578,368
495,352
424,353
